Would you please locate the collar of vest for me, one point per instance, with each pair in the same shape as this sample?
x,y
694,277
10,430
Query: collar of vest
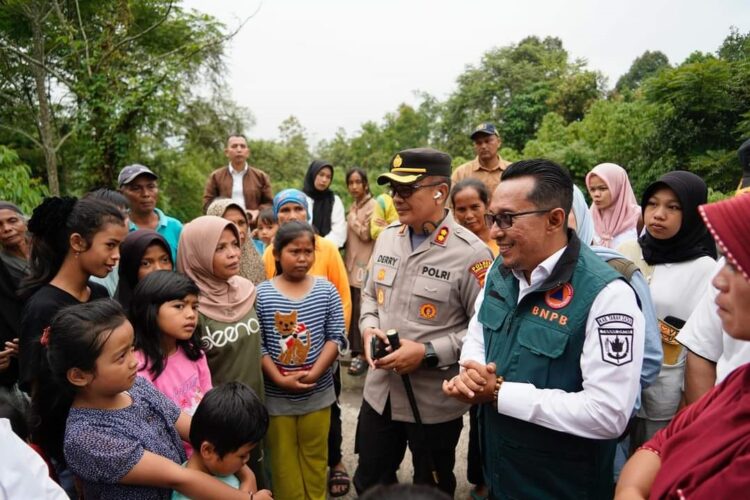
x,y
563,270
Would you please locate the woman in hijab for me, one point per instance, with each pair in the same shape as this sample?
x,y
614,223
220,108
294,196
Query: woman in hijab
x,y
614,210
328,215
705,451
141,253
209,254
676,254
251,264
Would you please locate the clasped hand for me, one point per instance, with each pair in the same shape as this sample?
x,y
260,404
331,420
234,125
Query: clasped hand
x,y
475,384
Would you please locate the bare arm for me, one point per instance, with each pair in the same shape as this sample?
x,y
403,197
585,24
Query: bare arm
x,y
638,475
183,426
700,377
157,471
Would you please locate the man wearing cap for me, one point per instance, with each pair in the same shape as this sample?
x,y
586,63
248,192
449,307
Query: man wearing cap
x,y
488,166
554,351
140,186
247,186
425,273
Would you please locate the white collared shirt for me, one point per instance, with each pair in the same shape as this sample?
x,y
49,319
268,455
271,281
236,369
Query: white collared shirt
x,y
602,409
238,193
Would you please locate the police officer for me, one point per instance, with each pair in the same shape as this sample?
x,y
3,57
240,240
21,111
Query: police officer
x,y
554,350
425,274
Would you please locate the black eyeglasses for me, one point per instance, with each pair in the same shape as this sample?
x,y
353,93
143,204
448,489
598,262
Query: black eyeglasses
x,y
505,220
407,190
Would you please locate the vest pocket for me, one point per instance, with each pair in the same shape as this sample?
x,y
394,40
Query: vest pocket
x,y
540,346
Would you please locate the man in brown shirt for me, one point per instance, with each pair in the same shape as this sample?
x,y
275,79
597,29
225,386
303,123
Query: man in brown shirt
x,y
488,165
247,186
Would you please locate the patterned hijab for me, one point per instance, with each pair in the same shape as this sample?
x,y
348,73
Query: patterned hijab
x,y
622,215
729,223
225,301
251,265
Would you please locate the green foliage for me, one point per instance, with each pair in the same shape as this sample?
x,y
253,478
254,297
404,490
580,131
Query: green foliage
x,y
16,183
646,65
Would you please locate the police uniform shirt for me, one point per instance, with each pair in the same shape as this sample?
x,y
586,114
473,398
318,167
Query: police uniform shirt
x,y
604,406
427,294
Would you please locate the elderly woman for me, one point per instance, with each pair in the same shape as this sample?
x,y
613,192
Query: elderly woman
x,y
705,450
14,256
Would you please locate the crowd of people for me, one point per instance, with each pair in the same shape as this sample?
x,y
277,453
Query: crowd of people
x,y
599,350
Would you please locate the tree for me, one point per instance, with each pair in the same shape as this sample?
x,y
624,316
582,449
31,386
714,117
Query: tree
x,y
647,64
16,183
119,70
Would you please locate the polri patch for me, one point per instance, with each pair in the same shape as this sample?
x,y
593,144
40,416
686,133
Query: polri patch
x,y
559,297
479,270
427,311
616,338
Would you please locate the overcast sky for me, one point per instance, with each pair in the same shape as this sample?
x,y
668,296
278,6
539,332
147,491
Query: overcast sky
x,y
338,63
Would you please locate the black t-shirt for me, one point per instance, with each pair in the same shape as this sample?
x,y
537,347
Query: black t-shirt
x,y
37,315
10,319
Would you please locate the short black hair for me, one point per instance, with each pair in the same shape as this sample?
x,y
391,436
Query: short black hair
x,y
235,134
229,416
266,216
553,187
109,195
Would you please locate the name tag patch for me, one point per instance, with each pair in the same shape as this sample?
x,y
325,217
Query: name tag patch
x,y
387,260
616,338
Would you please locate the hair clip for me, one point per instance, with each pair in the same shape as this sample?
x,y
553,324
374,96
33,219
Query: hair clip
x,y
45,336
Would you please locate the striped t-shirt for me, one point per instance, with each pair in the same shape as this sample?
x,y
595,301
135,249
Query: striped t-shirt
x,y
294,332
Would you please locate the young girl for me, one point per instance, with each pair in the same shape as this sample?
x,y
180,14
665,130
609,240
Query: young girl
x,y
119,435
615,211
164,314
303,327
142,252
326,207
251,265
209,253
72,241
676,254
359,247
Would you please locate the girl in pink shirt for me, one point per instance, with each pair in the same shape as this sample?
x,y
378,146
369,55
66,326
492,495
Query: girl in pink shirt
x,y
164,313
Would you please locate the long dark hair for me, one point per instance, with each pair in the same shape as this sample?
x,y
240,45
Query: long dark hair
x,y
150,293
74,340
52,224
288,233
362,175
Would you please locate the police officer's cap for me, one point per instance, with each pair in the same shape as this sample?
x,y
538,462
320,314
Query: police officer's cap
x,y
410,165
484,129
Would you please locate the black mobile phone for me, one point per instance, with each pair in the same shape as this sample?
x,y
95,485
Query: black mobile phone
x,y
377,347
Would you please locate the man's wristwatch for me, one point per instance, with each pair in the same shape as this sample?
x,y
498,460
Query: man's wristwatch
x,y
430,359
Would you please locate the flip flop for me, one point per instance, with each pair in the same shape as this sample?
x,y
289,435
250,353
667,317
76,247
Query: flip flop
x,y
338,478
357,367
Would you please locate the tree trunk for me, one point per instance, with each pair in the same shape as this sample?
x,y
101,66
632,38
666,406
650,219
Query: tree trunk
x,y
46,129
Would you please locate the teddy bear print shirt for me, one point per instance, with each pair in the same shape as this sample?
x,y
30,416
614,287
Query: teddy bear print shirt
x,y
294,332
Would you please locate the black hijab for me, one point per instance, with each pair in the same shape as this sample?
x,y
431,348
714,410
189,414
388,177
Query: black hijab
x,y
131,252
693,239
322,200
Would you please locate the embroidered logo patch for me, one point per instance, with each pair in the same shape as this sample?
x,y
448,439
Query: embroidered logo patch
x,y
559,297
381,274
616,338
479,270
442,235
427,311
381,296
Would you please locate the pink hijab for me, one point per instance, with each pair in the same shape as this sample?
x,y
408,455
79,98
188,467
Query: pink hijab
x,y
624,211
220,300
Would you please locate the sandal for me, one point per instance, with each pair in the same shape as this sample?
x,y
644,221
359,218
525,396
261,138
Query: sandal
x,y
357,367
338,478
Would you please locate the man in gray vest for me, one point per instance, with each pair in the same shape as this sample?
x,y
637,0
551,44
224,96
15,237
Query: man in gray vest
x,y
554,351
